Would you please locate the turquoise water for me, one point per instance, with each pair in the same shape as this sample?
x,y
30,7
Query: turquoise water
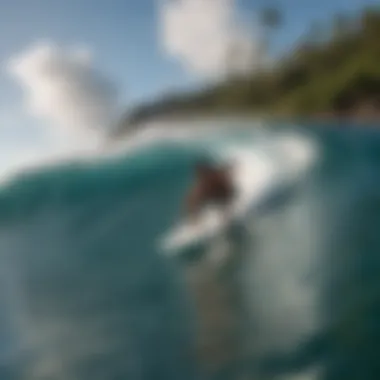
x,y
86,292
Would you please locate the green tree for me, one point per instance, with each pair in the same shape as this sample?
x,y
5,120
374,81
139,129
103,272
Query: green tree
x,y
339,73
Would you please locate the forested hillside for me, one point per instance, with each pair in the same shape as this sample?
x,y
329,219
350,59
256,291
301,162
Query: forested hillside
x,y
337,74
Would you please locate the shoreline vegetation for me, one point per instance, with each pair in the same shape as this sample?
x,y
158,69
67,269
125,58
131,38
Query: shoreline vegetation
x,y
329,76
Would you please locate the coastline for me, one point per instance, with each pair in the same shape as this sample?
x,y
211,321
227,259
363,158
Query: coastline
x,y
332,119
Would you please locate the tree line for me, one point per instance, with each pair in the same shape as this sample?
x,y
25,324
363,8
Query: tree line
x,y
334,73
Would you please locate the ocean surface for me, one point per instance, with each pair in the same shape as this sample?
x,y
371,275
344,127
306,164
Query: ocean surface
x,y
87,292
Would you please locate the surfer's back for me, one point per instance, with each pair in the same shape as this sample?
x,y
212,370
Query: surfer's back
x,y
212,186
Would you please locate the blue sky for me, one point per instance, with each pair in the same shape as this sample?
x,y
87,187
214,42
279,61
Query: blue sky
x,y
123,35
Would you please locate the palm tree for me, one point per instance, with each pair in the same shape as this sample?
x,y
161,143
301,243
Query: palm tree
x,y
270,19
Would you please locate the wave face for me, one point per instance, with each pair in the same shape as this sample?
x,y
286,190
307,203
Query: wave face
x,y
86,292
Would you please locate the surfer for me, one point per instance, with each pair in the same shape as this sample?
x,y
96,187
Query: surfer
x,y
213,186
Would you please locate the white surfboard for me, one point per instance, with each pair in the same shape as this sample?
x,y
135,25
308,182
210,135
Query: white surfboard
x,y
254,174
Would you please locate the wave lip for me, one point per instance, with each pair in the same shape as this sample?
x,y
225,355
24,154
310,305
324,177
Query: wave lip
x,y
257,170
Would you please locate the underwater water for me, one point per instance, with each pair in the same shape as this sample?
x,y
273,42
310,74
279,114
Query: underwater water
x,y
87,293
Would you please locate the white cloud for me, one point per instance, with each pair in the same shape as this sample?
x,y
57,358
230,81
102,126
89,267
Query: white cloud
x,y
62,87
209,37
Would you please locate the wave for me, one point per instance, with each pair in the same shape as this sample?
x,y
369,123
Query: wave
x,y
86,293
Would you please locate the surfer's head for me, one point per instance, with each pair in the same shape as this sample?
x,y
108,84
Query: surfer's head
x,y
212,185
